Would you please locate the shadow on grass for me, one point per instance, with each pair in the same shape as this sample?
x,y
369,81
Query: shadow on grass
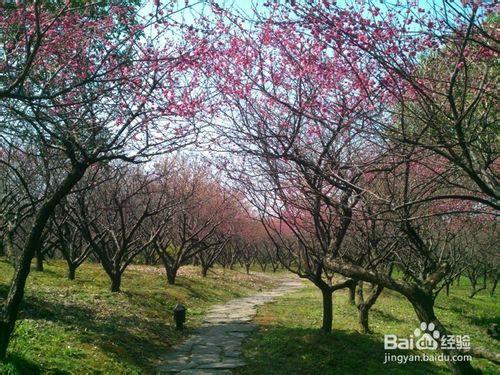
x,y
385,315
485,321
46,271
468,309
132,339
282,350
457,305
17,364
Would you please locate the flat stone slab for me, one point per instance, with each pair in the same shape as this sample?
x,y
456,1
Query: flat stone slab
x,y
205,358
232,354
240,327
216,346
175,367
205,372
206,350
225,364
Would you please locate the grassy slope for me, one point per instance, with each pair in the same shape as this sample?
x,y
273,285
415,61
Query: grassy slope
x,y
289,341
79,327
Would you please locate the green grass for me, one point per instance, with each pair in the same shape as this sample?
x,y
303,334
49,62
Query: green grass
x,y
79,327
289,341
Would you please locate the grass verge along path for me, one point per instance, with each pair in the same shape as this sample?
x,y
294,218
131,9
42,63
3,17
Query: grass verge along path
x,y
215,349
289,340
79,327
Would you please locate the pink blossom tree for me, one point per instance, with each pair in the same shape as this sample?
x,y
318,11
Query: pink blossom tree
x,y
296,112
317,96
436,63
88,83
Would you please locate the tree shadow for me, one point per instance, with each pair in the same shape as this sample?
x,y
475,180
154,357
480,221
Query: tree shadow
x,y
131,339
385,315
285,350
468,310
4,289
484,321
46,271
456,304
16,364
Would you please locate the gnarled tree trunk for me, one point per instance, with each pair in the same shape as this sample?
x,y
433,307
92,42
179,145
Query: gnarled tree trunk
x,y
33,242
423,304
494,285
364,306
421,300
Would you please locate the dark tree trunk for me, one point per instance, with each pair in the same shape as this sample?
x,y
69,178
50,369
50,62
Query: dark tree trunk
x,y
421,300
473,287
71,271
39,260
204,271
494,286
352,294
11,305
447,289
9,246
363,318
247,269
327,309
364,306
171,275
423,304
476,290
116,281
170,268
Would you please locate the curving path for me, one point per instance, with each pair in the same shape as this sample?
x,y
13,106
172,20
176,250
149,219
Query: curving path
x,y
215,347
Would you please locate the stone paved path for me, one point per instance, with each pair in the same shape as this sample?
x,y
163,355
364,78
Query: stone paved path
x,y
215,347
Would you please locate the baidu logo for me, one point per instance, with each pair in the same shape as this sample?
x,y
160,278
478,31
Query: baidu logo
x,y
426,337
